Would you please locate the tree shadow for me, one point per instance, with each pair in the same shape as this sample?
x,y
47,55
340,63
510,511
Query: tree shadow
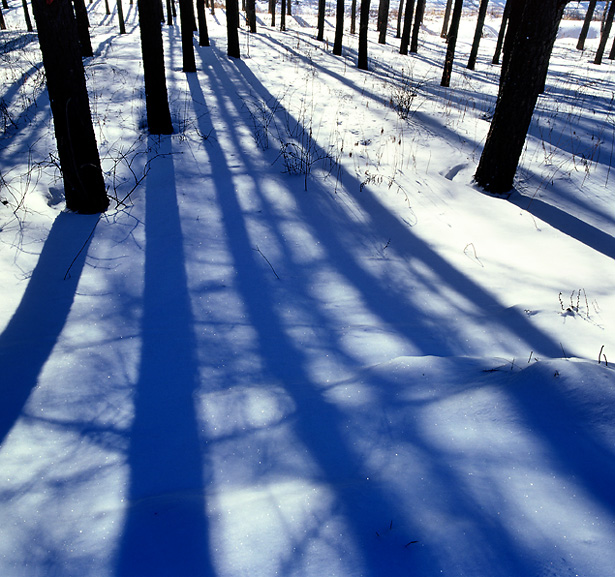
x,y
31,334
165,527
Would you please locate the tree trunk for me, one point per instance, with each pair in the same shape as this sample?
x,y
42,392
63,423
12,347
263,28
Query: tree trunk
x,y
517,8
26,12
383,14
353,17
418,20
525,74
283,16
500,42
272,6
612,53
156,98
482,12
608,23
2,21
399,19
5,4
251,13
201,15
321,20
452,43
232,22
447,16
363,63
120,16
169,12
405,35
83,24
185,18
84,186
339,28
586,24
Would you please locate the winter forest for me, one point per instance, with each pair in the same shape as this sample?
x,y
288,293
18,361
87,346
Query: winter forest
x,y
307,288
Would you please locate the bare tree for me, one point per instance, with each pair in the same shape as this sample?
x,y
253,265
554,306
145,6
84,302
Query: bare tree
x,y
447,16
339,28
589,16
418,20
363,63
608,23
500,41
452,43
482,12
84,186
321,20
232,23
405,35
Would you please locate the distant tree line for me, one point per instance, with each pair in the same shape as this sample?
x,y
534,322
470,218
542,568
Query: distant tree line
x,y
527,34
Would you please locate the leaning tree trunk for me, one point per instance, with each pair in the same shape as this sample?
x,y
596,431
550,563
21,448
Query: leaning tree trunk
x,y
517,8
447,16
156,97
586,24
84,186
363,63
608,23
500,42
452,43
525,74
26,12
321,20
83,25
418,20
482,12
405,35
232,23
339,28
383,21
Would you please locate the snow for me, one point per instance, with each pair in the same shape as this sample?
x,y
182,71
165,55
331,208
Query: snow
x,y
372,369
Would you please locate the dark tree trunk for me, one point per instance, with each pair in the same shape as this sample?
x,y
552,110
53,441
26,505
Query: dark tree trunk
x,y
283,16
169,12
251,13
232,22
84,185
482,12
5,4
586,24
447,16
517,8
418,20
156,98
339,28
405,35
201,15
187,26
120,16
83,24
2,21
500,42
363,63
383,15
452,43
608,23
289,10
321,20
612,53
26,12
353,17
272,6
525,74
107,8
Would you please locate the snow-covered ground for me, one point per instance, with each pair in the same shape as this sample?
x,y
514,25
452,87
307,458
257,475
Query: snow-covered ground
x,y
372,369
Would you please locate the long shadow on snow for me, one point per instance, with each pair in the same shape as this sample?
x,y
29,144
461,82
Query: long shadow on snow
x,y
28,340
288,363
165,531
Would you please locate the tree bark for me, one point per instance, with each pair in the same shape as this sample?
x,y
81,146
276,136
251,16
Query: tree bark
x,y
2,21
383,21
447,16
500,42
452,43
120,16
26,12
186,23
418,20
405,35
339,28
353,17
383,15
363,63
202,18
232,22
283,16
608,23
399,19
321,20
482,12
586,24
527,66
83,24
251,13
156,98
84,186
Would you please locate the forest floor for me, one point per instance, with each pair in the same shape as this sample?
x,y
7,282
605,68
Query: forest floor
x,y
302,342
